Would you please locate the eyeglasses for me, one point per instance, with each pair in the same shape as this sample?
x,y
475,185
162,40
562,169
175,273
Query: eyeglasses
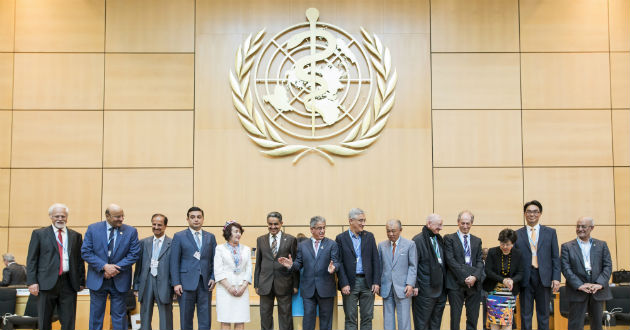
x,y
582,227
532,212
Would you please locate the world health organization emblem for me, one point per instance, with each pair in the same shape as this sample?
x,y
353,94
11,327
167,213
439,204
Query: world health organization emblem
x,y
313,88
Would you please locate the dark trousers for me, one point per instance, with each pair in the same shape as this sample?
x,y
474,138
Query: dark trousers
x,y
325,312
63,296
118,306
457,299
484,303
362,294
427,312
146,307
285,317
577,311
201,298
535,291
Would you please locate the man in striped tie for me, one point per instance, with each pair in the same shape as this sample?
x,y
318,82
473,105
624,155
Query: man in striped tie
x,y
465,272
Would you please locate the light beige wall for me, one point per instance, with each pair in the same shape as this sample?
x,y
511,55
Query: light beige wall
x,y
498,102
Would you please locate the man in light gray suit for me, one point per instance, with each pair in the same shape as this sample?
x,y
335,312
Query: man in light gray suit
x,y
399,263
151,281
586,264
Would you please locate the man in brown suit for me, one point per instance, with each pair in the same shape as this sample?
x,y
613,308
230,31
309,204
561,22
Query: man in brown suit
x,y
271,279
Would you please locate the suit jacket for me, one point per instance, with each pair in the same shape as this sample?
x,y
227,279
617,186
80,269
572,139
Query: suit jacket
x,y
348,257
13,274
431,274
548,255
458,270
399,269
315,274
124,255
143,270
185,268
269,274
493,269
575,273
43,259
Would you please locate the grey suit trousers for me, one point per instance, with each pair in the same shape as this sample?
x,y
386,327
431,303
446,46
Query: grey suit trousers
x,y
146,308
402,310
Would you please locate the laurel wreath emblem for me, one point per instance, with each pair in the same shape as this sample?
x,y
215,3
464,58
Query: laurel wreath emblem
x,y
356,141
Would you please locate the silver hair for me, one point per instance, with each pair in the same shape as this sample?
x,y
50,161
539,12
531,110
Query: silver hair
x,y
316,219
433,217
589,219
472,216
354,213
394,221
58,206
8,257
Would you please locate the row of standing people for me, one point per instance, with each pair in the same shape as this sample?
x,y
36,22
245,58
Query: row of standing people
x,y
421,272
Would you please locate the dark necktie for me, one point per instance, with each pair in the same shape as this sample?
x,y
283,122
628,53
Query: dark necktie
x,y
274,247
110,243
467,251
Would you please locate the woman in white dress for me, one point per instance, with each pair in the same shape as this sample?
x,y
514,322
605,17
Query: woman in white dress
x,y
233,274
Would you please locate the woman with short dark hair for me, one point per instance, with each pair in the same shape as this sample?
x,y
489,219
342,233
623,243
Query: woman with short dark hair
x,y
504,272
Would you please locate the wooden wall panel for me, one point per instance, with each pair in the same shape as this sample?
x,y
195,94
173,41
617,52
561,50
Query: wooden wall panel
x,y
474,26
33,191
6,122
395,174
57,139
621,137
620,80
148,139
622,195
7,25
4,240
403,16
244,17
494,195
565,80
623,247
619,25
6,80
60,26
568,193
143,192
567,138
5,186
18,240
563,25
58,81
489,234
149,81
150,26
369,15
477,138
475,81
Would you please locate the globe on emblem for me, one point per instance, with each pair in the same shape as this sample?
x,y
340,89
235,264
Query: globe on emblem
x,y
313,80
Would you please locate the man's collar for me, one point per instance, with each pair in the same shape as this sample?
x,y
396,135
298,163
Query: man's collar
x,y
195,231
64,229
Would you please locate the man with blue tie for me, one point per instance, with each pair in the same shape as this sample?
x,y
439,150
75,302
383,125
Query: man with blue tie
x,y
539,247
110,248
192,271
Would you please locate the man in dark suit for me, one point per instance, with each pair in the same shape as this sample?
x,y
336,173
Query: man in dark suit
x,y
430,296
541,263
586,265
110,248
271,279
319,259
151,279
56,271
192,270
13,273
465,274
360,272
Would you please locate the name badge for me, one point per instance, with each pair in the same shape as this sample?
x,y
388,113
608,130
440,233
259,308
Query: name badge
x,y
467,259
155,263
197,255
440,260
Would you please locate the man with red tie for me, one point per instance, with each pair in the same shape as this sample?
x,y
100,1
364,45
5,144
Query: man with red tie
x,y
55,270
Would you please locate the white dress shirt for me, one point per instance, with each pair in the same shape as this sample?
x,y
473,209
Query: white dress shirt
x,y
64,243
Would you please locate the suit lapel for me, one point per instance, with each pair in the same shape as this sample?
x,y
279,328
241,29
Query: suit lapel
x,y
578,252
192,239
165,246
399,247
70,241
148,247
349,243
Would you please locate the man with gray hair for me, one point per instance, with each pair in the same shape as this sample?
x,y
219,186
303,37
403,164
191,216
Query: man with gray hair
x,y
13,273
360,273
55,269
318,257
430,300
399,263
586,265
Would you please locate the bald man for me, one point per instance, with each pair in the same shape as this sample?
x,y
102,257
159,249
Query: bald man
x,y
110,248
